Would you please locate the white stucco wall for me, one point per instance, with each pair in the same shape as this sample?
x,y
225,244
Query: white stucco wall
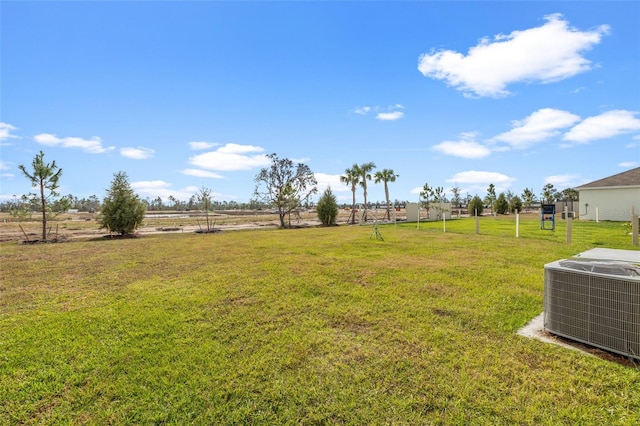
x,y
613,203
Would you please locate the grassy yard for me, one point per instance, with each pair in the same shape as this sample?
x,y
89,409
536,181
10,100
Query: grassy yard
x,y
310,326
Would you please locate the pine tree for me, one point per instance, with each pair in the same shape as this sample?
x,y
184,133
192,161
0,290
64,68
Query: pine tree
x,y
122,211
327,208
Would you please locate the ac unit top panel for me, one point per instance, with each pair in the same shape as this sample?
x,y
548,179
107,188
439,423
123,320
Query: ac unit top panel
x,y
632,256
605,268
602,267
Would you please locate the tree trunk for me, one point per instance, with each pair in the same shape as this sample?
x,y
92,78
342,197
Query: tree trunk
x,y
281,213
44,211
364,214
386,194
353,207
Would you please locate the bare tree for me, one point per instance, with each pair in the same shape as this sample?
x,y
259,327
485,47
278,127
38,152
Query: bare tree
x,y
204,199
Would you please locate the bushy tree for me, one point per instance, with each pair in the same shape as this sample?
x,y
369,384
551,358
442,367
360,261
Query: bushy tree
x,y
44,178
284,186
502,205
475,206
549,194
122,211
516,204
327,208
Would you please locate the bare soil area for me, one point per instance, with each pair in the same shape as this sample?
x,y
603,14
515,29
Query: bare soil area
x,y
85,225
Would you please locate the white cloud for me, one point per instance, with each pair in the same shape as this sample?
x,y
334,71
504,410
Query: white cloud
x,y
231,157
603,126
629,164
479,181
390,116
139,153
325,180
4,165
565,181
388,113
303,160
162,189
199,146
92,146
466,147
543,124
362,110
202,173
551,52
5,132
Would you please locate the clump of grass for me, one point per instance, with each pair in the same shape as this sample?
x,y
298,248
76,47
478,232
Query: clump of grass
x,y
308,326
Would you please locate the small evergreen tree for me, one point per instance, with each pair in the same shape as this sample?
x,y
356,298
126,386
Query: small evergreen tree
x,y
516,204
475,204
502,205
44,178
327,208
122,211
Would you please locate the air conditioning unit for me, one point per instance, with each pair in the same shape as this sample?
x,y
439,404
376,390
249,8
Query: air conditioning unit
x,y
594,301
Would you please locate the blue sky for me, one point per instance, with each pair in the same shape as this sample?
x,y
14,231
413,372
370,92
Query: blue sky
x,y
185,95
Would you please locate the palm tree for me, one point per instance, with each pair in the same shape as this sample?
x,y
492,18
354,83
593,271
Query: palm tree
x,y
386,176
351,177
364,170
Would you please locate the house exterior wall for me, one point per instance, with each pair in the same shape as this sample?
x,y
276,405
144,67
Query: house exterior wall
x,y
613,203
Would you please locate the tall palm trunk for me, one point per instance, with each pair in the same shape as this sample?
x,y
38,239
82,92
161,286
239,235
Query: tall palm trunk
x,y
352,218
386,194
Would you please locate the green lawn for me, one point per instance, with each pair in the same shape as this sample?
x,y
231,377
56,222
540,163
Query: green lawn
x,y
310,326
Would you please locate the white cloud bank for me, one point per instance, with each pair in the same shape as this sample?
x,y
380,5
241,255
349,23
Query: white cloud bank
x,y
541,125
231,157
545,54
477,182
92,146
162,189
603,126
561,182
325,180
137,153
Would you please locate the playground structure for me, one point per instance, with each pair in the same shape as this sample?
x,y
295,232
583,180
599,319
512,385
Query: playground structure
x,y
548,217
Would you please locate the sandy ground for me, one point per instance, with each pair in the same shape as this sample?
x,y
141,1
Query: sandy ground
x,y
12,232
